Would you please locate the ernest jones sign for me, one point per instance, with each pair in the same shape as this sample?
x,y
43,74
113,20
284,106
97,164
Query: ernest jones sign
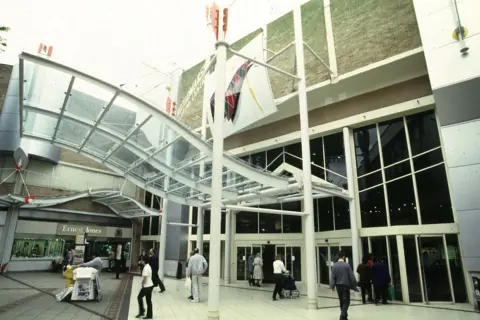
x,y
71,230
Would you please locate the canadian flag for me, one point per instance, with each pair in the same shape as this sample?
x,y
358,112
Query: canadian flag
x,y
45,50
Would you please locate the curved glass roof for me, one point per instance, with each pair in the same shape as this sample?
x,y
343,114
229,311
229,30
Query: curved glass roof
x,y
76,111
122,205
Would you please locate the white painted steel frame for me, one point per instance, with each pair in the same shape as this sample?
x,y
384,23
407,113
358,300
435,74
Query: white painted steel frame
x,y
64,106
308,219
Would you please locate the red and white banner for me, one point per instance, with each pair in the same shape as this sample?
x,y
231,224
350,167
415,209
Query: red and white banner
x,y
45,50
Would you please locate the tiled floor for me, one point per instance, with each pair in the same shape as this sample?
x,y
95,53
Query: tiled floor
x,y
241,303
21,302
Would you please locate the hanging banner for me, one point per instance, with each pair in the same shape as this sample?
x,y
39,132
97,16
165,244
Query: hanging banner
x,y
248,97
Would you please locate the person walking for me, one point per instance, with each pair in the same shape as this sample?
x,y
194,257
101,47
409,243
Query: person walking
x,y
365,280
146,291
343,279
197,265
118,261
154,264
381,280
278,270
251,258
258,269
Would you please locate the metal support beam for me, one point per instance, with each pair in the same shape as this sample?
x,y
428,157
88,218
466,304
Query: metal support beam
x,y
191,163
64,106
264,210
182,224
121,144
98,120
318,57
263,64
276,54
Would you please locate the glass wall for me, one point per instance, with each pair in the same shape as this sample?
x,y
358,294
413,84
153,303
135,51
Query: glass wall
x,y
331,214
151,225
254,222
401,173
28,247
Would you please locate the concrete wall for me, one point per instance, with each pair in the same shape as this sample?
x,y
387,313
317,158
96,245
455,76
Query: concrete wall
x,y
455,80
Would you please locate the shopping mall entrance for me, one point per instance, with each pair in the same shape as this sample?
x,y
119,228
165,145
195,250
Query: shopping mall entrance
x,y
291,257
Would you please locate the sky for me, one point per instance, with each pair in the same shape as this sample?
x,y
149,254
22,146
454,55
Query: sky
x,y
124,41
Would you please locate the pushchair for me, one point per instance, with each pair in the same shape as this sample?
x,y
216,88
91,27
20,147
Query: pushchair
x,y
289,288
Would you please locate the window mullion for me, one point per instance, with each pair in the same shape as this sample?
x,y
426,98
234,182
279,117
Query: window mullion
x,y
385,192
414,179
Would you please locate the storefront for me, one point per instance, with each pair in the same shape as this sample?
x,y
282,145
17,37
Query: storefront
x,y
38,243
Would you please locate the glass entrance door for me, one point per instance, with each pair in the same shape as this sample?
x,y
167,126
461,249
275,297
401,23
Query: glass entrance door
x,y
243,253
327,255
292,258
434,268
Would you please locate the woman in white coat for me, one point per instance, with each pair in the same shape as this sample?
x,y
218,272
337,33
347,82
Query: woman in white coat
x,y
258,269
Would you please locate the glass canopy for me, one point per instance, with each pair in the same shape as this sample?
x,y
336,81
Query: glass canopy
x,y
122,205
76,111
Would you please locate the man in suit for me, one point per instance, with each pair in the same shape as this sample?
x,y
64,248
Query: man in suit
x,y
343,280
154,265
381,280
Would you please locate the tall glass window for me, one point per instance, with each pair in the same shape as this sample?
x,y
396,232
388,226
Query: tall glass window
x,y
401,174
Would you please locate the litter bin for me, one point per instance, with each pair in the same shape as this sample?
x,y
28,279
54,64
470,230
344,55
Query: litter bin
x,y
179,270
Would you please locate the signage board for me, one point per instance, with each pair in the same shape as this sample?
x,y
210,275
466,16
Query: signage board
x,y
73,230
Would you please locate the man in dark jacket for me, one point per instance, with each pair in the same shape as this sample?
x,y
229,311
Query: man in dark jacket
x,y
154,265
381,280
365,281
343,279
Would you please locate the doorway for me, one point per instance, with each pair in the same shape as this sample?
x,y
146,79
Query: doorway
x,y
292,258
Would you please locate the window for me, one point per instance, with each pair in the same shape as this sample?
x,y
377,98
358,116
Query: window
x,y
372,208
146,226
155,231
25,247
293,155
335,159
392,184
259,160
401,202
274,158
156,202
341,212
270,222
148,199
247,222
366,150
206,222
194,219
292,224
434,196
325,214
318,165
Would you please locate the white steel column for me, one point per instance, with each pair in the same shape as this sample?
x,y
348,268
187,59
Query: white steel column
x,y
217,176
352,206
403,269
228,246
164,207
308,225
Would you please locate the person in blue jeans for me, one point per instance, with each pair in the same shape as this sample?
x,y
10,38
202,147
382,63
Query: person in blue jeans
x,y
343,280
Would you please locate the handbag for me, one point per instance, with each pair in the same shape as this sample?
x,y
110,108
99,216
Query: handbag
x,y
188,285
391,292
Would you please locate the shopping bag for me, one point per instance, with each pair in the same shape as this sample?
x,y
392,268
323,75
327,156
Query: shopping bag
x,y
188,285
391,292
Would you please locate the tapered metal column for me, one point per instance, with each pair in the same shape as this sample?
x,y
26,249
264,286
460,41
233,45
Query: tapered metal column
x,y
348,145
228,246
164,208
308,222
217,175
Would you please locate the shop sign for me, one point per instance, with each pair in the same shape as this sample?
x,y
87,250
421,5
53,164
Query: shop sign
x,y
72,230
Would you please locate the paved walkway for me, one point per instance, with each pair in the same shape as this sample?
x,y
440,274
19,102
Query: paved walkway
x,y
242,303
28,296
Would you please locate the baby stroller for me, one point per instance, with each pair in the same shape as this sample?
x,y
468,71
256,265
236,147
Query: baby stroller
x,y
289,288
